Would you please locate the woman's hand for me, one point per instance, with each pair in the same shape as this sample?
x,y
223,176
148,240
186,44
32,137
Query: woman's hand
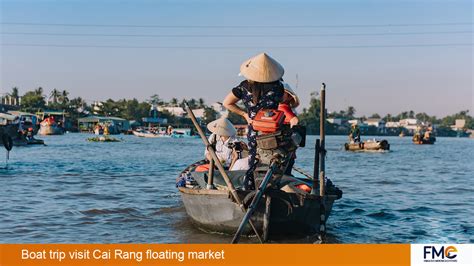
x,y
247,118
294,121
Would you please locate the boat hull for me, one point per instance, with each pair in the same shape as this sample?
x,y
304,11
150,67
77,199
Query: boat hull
x,y
424,141
50,130
368,146
214,211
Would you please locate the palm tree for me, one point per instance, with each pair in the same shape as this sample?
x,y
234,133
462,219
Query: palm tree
x,y
39,91
64,97
192,103
15,93
351,111
155,99
174,102
201,102
55,95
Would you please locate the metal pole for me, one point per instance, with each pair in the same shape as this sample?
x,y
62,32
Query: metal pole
x,y
219,166
322,129
317,150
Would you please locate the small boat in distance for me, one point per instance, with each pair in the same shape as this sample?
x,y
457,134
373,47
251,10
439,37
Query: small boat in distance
x,y
52,123
143,133
418,140
370,145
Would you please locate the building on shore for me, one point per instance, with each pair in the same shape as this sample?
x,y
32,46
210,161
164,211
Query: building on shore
x,y
378,123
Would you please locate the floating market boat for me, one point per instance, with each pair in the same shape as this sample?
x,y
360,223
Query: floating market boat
x,y
103,139
50,129
370,145
146,134
418,140
8,129
24,141
290,208
52,123
179,133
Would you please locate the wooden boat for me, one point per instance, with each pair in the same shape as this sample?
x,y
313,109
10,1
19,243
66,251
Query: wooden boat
x,y
52,123
103,139
8,129
146,134
7,134
431,140
52,129
368,146
289,210
22,141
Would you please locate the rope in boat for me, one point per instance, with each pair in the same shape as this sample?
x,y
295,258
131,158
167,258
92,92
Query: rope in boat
x,y
301,171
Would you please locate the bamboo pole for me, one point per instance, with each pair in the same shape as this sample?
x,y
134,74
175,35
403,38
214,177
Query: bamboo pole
x,y
219,166
322,186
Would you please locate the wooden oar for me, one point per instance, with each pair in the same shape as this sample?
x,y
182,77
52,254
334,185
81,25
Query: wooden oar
x,y
219,166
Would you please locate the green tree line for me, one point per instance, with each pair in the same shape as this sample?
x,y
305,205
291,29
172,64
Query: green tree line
x,y
132,109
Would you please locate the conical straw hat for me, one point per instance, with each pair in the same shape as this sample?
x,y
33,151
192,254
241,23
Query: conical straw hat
x,y
262,68
296,101
222,127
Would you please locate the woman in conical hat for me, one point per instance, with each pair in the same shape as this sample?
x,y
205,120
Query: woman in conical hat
x,y
223,135
262,89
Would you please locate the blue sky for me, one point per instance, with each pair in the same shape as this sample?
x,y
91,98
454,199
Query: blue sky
x,y
379,56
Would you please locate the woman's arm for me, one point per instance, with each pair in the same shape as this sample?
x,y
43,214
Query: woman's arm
x,y
230,102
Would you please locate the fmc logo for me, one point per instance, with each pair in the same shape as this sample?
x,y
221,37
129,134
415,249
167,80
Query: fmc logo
x,y
431,254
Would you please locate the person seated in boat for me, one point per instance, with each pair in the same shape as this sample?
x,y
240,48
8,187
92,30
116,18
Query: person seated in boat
x,y
354,135
106,130
223,135
29,134
240,160
169,130
427,135
418,133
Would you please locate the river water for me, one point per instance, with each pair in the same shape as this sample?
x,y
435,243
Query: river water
x,y
74,191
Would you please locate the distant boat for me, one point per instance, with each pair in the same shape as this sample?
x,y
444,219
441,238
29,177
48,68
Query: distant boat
x,y
176,133
50,129
418,140
146,134
401,135
52,123
103,139
27,141
371,145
